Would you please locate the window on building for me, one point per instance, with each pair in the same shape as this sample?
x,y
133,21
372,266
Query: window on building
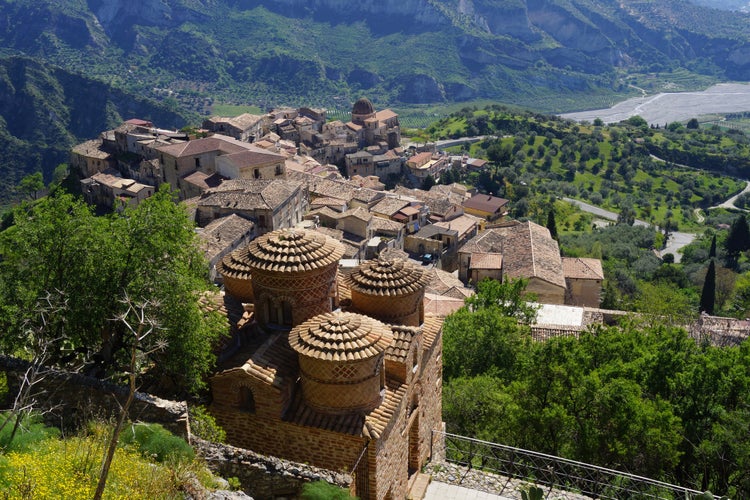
x,y
286,313
197,163
279,170
256,173
247,400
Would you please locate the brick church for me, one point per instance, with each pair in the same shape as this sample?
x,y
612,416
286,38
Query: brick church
x,y
341,372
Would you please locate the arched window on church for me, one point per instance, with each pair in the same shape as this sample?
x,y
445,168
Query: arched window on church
x,y
286,313
247,400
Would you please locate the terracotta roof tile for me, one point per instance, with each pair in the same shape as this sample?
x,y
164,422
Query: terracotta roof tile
x,y
402,339
486,261
485,203
528,251
387,278
219,143
340,336
292,250
582,268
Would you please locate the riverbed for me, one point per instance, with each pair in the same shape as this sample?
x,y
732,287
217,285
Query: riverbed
x,y
667,107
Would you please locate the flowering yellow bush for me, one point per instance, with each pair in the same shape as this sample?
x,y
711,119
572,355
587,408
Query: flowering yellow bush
x,y
69,470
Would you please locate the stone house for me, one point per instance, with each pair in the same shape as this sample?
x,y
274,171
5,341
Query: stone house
x,y
528,251
108,189
356,389
320,187
270,205
486,206
252,163
90,157
426,164
179,160
583,279
222,236
359,163
246,127
432,239
486,265
466,225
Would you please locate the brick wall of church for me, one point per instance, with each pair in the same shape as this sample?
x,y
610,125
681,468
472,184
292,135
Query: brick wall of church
x,y
389,474
330,450
431,399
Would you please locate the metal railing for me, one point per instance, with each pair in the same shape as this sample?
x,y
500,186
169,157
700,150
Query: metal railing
x,y
552,471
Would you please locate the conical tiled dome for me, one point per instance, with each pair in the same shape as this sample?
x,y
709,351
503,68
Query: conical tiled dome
x,y
340,337
387,277
234,265
292,250
363,106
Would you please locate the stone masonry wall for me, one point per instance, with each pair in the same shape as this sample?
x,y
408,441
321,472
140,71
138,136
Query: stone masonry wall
x,y
264,477
71,398
272,436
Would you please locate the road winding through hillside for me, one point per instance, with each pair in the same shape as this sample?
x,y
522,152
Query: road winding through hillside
x,y
676,239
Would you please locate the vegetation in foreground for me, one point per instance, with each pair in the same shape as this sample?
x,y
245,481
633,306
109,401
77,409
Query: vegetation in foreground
x,y
641,397
150,463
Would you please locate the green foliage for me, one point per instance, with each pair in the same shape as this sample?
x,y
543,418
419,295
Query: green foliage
x,y
509,297
738,240
204,425
532,493
68,468
708,294
155,441
642,397
31,431
31,185
321,490
149,253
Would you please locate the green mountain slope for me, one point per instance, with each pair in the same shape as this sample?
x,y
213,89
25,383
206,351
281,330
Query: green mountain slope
x,y
406,51
44,111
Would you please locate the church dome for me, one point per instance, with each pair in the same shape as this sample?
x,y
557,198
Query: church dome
x,y
341,337
391,290
292,250
388,277
342,361
363,106
289,275
236,275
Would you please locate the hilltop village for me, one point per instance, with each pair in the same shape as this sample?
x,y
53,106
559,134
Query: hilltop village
x,y
245,176
335,287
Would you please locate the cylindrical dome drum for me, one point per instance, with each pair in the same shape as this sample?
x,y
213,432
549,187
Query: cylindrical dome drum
x,y
341,361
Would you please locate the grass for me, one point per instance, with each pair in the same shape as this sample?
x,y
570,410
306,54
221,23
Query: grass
x,y
231,110
49,467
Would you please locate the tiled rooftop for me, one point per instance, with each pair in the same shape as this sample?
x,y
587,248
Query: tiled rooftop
x,y
292,250
582,268
340,336
387,278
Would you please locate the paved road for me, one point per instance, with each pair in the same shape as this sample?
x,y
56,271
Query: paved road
x,y
730,202
675,241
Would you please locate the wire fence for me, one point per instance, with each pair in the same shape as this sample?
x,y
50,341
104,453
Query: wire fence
x,y
554,472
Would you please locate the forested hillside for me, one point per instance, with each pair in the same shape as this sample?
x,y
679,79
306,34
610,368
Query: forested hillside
x,y
45,110
326,52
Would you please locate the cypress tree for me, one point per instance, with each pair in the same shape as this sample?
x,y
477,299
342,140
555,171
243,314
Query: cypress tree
x,y
551,224
712,250
708,294
738,240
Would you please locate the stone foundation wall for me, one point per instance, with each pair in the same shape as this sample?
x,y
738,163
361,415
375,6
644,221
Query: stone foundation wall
x,y
70,399
264,477
272,436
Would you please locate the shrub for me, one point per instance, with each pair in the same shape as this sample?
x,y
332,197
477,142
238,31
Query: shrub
x,y
321,490
153,440
203,425
30,432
